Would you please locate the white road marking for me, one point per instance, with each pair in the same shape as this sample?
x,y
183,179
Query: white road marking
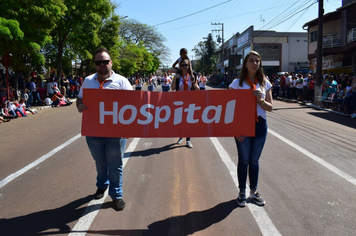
x,y
260,215
83,224
38,161
315,158
263,221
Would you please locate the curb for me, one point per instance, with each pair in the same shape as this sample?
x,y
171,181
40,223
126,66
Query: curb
x,y
311,105
46,107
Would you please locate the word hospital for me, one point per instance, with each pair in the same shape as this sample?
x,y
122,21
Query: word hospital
x,y
148,113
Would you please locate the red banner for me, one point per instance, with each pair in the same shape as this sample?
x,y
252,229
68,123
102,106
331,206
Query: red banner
x,y
208,113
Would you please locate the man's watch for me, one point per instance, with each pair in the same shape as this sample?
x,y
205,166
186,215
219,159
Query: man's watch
x,y
262,101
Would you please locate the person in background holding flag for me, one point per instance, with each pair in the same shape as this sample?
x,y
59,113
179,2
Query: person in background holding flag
x,y
250,148
107,152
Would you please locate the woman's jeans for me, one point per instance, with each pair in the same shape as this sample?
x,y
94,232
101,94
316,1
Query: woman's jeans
x,y
20,111
249,152
108,154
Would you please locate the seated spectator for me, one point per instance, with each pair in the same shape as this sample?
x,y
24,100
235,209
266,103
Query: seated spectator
x,y
2,119
59,99
21,107
14,109
25,109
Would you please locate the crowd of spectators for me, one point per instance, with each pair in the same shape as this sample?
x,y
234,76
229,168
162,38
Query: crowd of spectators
x,y
23,93
338,90
221,80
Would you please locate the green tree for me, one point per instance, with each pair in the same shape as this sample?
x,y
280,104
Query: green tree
x,y
136,58
205,50
25,27
134,32
78,26
107,36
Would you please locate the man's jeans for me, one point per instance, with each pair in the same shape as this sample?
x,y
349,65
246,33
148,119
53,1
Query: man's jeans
x,y
165,88
108,154
249,152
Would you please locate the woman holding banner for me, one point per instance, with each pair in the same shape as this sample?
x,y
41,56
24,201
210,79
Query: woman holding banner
x,y
250,148
185,82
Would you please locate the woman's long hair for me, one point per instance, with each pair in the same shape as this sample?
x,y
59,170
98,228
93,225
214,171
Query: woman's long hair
x,y
260,76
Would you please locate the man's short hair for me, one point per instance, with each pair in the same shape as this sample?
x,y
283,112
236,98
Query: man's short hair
x,y
100,50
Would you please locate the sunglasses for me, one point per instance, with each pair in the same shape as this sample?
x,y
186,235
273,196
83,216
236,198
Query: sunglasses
x,y
184,65
105,62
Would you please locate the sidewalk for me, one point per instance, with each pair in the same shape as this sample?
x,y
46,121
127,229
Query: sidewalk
x,y
311,105
38,108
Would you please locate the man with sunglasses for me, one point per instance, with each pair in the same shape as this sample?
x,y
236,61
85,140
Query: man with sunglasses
x,y
107,152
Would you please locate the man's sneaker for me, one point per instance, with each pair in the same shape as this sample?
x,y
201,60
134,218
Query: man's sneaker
x,y
256,197
99,193
353,116
241,200
189,144
118,204
180,140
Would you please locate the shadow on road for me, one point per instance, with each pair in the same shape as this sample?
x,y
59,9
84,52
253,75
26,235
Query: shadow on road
x,y
290,108
179,225
35,223
152,151
342,120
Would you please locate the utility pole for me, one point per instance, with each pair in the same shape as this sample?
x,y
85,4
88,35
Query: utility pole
x,y
222,43
205,46
319,61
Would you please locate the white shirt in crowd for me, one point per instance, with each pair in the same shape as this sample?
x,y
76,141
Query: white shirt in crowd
x,y
288,80
202,81
166,81
49,88
33,87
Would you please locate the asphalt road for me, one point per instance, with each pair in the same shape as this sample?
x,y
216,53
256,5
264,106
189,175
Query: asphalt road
x,y
307,177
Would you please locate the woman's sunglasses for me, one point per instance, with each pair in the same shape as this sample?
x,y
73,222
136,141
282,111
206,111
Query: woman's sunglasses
x,y
105,62
184,65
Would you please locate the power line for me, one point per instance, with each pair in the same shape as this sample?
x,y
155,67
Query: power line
x,y
285,15
221,19
193,13
282,21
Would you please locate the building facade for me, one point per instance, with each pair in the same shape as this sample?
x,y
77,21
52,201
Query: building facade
x,y
339,40
280,51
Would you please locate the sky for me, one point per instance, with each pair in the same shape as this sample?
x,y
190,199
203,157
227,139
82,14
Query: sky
x,y
184,23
